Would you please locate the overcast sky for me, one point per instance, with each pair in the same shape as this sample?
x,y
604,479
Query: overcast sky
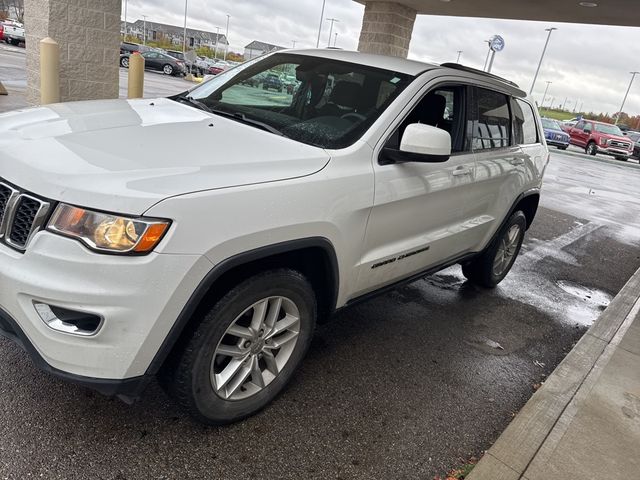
x,y
586,63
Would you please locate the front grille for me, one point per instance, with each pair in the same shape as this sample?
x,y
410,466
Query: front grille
x,y
618,144
21,216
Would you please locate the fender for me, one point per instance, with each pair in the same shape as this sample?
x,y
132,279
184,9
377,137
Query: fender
x,y
226,265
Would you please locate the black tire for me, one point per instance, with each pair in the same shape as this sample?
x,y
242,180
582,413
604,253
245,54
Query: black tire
x,y
591,149
187,377
562,148
481,270
168,69
623,159
124,62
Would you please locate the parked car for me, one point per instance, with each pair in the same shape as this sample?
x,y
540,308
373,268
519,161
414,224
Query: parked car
x,y
219,67
13,33
1,31
212,270
554,134
272,81
158,61
189,66
599,137
203,64
635,138
127,48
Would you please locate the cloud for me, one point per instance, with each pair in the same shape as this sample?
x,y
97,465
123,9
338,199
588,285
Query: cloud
x,y
587,64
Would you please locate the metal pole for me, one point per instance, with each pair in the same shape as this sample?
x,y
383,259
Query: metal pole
x,y
144,30
486,60
565,102
184,38
544,97
294,43
544,50
226,50
493,56
217,40
332,20
580,109
335,40
459,53
624,100
551,105
324,2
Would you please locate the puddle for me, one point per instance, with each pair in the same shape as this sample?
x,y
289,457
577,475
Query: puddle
x,y
589,295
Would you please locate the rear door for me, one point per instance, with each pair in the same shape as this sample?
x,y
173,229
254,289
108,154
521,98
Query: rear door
x,y
500,163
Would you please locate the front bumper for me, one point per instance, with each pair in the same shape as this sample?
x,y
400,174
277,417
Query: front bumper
x,y
558,143
615,152
139,299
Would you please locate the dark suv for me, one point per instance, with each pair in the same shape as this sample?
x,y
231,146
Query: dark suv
x,y
272,81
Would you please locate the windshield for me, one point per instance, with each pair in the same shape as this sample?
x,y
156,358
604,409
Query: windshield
x,y
550,124
328,103
635,136
608,129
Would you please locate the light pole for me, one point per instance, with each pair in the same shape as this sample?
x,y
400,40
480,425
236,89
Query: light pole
x,y
624,100
564,104
486,61
544,50
226,50
217,40
294,43
144,29
324,2
545,92
184,38
332,20
335,40
459,53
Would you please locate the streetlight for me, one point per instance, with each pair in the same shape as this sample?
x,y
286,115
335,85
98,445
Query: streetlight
x,y
335,40
217,40
544,50
324,2
144,29
486,60
633,76
332,20
545,92
226,50
459,53
294,43
184,38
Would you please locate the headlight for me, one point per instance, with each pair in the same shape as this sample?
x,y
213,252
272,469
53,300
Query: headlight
x,y
106,232
604,141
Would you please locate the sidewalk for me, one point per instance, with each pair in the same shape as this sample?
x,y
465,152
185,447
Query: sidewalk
x,y
585,420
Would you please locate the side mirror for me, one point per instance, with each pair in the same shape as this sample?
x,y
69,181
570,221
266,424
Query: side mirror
x,y
426,143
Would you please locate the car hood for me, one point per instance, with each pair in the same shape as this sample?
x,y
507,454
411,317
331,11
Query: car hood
x,y
125,156
555,130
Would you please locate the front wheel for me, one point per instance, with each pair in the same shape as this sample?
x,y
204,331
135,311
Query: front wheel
x,y
563,148
124,62
491,266
623,159
245,350
167,69
592,148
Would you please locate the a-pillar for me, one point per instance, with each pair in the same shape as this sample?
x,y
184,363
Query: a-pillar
x,y
88,32
386,28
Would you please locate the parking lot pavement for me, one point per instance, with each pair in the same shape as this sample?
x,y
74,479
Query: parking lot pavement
x,y
406,385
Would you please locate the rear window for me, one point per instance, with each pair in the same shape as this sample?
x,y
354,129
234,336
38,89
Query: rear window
x,y
492,125
524,123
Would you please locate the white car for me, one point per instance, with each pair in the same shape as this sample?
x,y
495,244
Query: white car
x,y
13,32
121,258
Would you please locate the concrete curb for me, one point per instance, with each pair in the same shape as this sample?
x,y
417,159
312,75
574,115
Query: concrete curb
x,y
524,438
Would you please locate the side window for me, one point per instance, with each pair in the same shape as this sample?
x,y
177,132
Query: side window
x,y
579,125
524,123
444,107
492,126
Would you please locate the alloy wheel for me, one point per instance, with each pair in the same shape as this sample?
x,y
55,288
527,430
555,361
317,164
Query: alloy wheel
x,y
255,348
506,250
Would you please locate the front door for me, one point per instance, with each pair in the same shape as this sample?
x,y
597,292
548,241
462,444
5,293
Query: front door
x,y
419,213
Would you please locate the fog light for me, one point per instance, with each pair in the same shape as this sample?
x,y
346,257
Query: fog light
x,y
68,321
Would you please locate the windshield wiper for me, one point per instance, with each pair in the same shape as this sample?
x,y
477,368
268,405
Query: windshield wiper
x,y
249,121
196,103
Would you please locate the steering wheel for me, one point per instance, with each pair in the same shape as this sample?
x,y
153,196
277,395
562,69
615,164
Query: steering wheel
x,y
353,117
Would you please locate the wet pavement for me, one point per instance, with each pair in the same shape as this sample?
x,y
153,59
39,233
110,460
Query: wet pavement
x,y
406,385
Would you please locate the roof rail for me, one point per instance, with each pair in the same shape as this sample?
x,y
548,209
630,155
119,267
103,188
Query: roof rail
x,y
464,68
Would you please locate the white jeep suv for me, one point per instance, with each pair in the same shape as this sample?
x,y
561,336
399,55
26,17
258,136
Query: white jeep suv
x,y
122,258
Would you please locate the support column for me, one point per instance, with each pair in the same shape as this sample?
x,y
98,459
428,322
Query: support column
x,y
387,28
88,32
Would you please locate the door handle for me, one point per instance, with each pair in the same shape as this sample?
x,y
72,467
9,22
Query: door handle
x,y
516,161
459,172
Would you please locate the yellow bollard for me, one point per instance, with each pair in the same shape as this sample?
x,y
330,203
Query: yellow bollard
x,y
3,91
136,76
49,71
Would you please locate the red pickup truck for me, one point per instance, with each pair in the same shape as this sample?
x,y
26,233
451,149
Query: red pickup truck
x,y
598,137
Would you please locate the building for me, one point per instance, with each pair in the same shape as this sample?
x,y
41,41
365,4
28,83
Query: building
x,y
257,48
156,32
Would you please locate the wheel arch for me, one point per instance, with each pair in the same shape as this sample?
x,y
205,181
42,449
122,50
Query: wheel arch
x,y
314,257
